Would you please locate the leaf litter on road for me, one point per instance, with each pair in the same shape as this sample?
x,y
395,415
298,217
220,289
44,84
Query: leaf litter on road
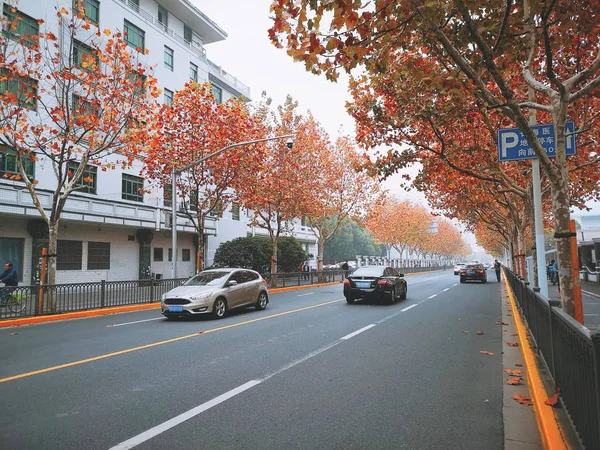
x,y
512,344
485,352
514,372
521,399
514,381
479,332
501,323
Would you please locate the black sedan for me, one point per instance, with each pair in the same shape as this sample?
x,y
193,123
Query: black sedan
x,y
375,282
473,272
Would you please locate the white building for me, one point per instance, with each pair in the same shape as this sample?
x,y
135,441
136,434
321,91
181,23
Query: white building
x,y
113,232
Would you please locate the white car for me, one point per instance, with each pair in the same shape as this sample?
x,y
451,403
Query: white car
x,y
457,268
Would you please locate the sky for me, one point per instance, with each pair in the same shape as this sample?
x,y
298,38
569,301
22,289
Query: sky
x,y
248,54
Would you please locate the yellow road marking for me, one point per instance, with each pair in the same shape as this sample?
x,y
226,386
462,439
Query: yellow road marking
x,y
156,344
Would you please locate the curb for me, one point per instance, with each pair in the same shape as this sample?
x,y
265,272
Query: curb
x,y
550,431
120,309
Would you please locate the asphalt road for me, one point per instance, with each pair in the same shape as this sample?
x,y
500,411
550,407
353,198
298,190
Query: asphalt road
x,y
308,372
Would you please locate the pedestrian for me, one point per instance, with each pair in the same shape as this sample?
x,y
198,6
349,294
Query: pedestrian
x,y
345,268
306,270
10,278
497,268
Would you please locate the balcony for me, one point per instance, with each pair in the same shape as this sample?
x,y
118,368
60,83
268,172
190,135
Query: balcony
x,y
229,79
148,18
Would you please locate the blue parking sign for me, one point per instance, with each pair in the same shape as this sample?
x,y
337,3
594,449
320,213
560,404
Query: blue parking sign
x,y
512,145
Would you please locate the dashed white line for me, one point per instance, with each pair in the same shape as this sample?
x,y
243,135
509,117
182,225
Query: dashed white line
x,y
408,307
155,431
431,296
455,284
351,335
447,289
131,323
304,295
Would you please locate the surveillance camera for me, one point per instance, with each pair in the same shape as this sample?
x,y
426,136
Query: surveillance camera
x,y
289,143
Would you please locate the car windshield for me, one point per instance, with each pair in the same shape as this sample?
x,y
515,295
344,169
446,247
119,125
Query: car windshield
x,y
368,272
207,279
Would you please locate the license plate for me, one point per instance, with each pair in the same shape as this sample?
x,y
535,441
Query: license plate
x,y
175,308
470,272
363,284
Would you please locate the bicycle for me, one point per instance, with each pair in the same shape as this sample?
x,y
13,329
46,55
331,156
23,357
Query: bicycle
x,y
15,301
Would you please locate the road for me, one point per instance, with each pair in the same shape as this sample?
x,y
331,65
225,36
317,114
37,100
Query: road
x,y
310,371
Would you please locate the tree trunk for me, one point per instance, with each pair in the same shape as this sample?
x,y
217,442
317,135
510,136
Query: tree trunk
x,y
52,249
562,217
274,264
200,248
320,250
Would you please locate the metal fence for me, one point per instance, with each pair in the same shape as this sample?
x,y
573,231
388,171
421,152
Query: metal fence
x,y
572,354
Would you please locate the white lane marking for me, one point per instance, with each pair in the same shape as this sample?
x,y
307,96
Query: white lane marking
x,y
591,314
455,284
351,335
131,323
155,431
408,307
304,295
447,289
431,296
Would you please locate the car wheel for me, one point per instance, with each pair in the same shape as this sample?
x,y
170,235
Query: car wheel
x,y
462,280
219,308
404,293
393,295
349,300
484,281
262,301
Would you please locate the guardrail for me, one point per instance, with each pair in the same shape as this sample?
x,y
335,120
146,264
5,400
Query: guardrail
x,y
571,353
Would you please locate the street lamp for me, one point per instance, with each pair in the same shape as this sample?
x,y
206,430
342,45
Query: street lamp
x,y
176,171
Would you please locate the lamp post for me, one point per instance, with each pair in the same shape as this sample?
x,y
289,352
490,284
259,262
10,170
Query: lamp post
x,y
176,171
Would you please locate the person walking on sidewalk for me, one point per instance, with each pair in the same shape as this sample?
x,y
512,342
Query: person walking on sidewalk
x,y
497,268
11,279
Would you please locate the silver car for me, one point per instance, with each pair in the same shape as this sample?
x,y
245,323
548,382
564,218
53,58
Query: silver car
x,y
215,292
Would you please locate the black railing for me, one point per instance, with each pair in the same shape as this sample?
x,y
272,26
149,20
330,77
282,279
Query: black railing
x,y
572,355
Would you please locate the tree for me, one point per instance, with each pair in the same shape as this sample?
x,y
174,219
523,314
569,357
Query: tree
x,y
283,175
479,45
191,128
79,102
350,240
340,191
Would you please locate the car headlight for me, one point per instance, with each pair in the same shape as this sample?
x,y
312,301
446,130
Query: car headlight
x,y
199,296
164,296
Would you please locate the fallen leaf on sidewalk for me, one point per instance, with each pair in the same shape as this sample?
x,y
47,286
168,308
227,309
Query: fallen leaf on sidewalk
x,y
13,334
480,332
512,344
485,352
515,334
501,323
522,399
518,364
464,331
552,401
513,381
514,372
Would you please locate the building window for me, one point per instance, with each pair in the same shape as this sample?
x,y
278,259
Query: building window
x,y
218,93
235,211
69,255
193,72
19,26
158,254
12,249
163,15
91,9
170,254
169,58
304,221
18,89
82,109
168,97
185,255
84,56
134,36
187,33
98,256
9,167
87,183
133,188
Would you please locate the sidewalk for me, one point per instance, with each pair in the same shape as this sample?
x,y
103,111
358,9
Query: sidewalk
x,y
590,294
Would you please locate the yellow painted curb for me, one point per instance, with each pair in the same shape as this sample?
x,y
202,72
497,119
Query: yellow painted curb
x,y
552,437
119,309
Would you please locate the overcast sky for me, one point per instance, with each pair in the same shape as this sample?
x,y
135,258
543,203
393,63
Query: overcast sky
x,y
249,55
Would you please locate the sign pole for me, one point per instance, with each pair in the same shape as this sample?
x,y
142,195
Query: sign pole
x,y
540,246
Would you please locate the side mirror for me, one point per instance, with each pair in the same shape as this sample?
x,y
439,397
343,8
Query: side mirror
x,y
232,283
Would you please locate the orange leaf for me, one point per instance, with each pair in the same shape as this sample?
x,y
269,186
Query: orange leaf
x,y
480,332
501,323
522,399
512,344
487,353
464,331
553,400
514,372
518,364
513,381
107,32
